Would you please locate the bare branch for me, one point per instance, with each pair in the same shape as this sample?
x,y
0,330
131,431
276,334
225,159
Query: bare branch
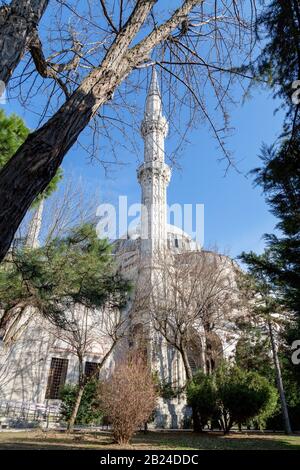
x,y
107,16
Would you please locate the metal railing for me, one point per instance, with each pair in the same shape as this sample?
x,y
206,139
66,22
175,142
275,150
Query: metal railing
x,y
25,413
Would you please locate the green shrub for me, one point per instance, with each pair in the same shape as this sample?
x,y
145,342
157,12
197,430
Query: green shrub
x,y
89,410
242,396
202,397
167,390
275,421
231,396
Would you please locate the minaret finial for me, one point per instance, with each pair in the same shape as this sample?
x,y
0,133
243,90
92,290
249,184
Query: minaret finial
x,y
154,86
153,108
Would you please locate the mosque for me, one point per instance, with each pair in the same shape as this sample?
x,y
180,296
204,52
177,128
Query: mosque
x,y
34,368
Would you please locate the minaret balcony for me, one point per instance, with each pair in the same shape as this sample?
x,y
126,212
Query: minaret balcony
x,y
151,170
154,125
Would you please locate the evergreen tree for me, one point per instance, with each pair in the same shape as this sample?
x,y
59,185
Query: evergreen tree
x,y
279,176
280,179
13,132
231,396
242,396
278,29
76,269
89,410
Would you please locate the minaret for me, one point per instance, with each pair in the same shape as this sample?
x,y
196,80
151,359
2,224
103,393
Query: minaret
x,y
32,238
154,174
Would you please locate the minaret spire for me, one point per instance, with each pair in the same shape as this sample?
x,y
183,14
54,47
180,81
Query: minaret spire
x,y
153,108
32,238
154,174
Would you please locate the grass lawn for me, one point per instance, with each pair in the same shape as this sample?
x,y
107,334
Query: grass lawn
x,y
151,441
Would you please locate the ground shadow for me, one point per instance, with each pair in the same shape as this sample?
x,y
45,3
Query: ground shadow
x,y
151,440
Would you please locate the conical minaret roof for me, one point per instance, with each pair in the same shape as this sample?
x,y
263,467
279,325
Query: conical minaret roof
x,y
153,108
154,86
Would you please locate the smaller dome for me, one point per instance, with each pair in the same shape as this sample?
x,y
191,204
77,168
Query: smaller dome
x,y
177,239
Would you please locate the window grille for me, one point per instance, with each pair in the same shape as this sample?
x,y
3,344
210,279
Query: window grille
x,y
57,377
90,369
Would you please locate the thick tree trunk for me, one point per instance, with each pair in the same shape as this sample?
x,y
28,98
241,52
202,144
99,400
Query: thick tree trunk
x,y
33,166
285,413
186,364
17,23
197,426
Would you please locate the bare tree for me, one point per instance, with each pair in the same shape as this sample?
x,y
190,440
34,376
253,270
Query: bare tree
x,y
193,45
190,295
128,397
191,292
65,209
72,205
18,26
85,332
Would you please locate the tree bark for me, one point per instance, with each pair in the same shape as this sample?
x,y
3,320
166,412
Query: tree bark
x,y
187,367
17,23
33,166
197,426
81,386
72,420
280,387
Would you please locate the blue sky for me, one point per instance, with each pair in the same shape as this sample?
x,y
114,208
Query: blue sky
x,y
236,215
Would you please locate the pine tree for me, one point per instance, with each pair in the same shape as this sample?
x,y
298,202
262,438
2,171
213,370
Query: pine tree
x,y
13,133
279,175
76,269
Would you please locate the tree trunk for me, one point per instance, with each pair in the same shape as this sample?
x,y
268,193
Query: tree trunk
x,y
33,166
285,413
187,367
36,162
72,420
17,23
197,427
